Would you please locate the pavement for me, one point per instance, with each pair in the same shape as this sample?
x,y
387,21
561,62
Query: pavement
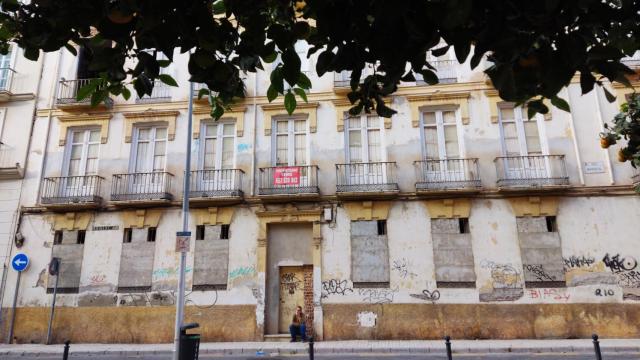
x,y
341,347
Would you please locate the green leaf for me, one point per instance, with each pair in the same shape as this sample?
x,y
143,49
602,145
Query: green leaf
x,y
88,89
291,66
323,63
610,97
217,112
272,93
301,93
429,77
218,7
290,102
304,82
126,93
71,48
586,81
560,104
202,92
164,63
98,97
167,79
276,79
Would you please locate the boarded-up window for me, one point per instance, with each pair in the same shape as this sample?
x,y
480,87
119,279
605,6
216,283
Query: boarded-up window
x,y
211,259
69,251
136,262
541,251
452,253
369,255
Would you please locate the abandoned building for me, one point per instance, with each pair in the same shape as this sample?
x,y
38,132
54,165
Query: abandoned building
x,y
457,215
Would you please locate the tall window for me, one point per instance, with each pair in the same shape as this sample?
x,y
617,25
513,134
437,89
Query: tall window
x,y
5,70
290,142
519,134
218,147
82,153
150,149
440,135
363,139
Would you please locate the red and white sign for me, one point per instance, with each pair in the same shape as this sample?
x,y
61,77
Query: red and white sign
x,y
289,175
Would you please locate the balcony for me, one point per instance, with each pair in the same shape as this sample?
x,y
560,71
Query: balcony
x,y
635,178
342,79
141,188
374,179
446,70
6,79
10,168
447,175
288,182
67,96
215,187
161,93
632,62
531,172
66,192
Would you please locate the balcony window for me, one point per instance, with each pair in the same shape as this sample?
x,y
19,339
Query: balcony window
x,y
149,149
82,152
440,135
6,72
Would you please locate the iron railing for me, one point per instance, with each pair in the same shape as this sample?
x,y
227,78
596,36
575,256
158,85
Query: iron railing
x,y
142,186
216,183
445,174
6,78
8,157
68,91
71,189
366,177
531,171
160,92
635,178
280,180
446,70
343,78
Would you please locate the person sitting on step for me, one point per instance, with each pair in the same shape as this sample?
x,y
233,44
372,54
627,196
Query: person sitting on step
x,y
297,326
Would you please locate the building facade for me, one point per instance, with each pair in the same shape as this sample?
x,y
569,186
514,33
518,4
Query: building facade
x,y
458,215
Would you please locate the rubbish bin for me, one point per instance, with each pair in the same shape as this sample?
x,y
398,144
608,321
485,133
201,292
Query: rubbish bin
x,y
189,343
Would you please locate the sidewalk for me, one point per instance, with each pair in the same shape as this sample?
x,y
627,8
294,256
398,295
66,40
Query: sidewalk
x,y
352,346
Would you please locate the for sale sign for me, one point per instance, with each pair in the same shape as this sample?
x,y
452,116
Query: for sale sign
x,y
289,175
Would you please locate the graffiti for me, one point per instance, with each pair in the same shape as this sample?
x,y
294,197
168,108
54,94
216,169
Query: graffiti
x,y
402,268
335,287
378,296
427,295
618,264
630,279
549,294
241,272
503,276
574,262
290,282
242,147
604,292
538,272
159,298
257,294
97,279
168,272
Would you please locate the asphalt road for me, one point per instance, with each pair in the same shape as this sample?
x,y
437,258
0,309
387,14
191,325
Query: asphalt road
x,y
501,356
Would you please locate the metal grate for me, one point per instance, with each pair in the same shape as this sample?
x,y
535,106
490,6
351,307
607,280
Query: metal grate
x,y
274,181
366,177
142,186
71,189
447,174
531,171
216,183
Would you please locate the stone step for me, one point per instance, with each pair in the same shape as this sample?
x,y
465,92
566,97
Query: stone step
x,y
277,338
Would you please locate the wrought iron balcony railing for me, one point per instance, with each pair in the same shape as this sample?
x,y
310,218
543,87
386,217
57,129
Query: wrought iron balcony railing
x,y
71,190
446,70
216,183
635,178
160,92
68,92
366,177
434,175
531,171
342,79
281,180
10,167
142,186
6,78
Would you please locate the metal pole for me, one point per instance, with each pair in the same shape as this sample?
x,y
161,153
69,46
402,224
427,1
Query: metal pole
x,y
311,351
13,314
185,227
447,342
53,308
596,346
65,354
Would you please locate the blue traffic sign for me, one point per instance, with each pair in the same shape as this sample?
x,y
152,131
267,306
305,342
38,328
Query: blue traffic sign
x,y
20,262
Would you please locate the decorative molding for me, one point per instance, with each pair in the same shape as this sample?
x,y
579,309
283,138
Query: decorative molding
x,y
534,206
458,98
213,215
622,91
150,116
77,120
342,106
448,208
235,114
72,221
287,214
141,218
495,101
368,210
272,110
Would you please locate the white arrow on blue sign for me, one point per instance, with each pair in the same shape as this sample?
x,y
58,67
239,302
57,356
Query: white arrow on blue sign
x,y
20,262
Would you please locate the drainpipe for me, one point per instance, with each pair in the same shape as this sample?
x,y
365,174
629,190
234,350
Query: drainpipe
x,y
255,134
601,122
576,149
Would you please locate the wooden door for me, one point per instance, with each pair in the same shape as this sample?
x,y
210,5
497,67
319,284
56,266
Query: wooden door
x,y
291,295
